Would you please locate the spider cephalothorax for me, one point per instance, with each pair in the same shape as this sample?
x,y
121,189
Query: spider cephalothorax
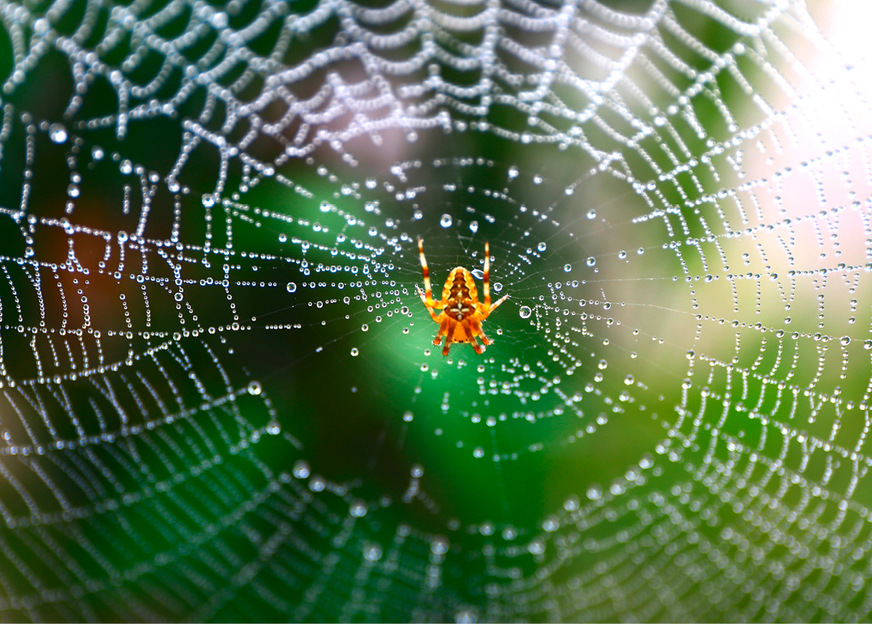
x,y
462,313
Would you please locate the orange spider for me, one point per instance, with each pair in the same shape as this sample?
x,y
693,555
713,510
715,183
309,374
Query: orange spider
x,y
462,313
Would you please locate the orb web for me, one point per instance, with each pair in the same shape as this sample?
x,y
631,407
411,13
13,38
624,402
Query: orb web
x,y
220,393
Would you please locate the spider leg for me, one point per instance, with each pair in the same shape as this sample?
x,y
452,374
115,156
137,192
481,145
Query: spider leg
x,y
449,324
499,301
478,332
484,311
486,279
429,308
485,339
443,331
428,289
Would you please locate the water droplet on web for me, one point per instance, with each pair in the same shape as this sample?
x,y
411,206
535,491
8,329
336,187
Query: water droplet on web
x,y
594,492
254,388
478,452
301,469
372,552
291,287
591,214
845,341
57,132
358,509
591,261
542,246
524,312
446,220
567,268
354,351
473,226
867,344
466,616
439,546
408,416
602,365
273,427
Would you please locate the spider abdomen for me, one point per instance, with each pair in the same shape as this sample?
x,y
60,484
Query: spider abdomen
x,y
460,294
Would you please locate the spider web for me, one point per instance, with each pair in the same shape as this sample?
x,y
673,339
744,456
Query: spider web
x,y
220,396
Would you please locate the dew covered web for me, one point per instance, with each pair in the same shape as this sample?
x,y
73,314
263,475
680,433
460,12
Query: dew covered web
x,y
220,397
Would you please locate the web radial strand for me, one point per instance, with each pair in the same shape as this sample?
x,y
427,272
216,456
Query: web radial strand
x,y
219,393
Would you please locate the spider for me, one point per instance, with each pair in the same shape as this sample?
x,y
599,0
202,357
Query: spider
x,y
462,313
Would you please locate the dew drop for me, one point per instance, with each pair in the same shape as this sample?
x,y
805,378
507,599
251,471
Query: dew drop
x,y
446,221
57,133
372,552
301,469
358,509
525,312
439,546
291,287
466,616
567,268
